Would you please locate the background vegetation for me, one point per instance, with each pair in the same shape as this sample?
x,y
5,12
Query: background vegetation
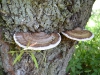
x,y
86,59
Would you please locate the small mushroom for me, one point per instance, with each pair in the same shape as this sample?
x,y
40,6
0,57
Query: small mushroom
x,y
78,34
37,41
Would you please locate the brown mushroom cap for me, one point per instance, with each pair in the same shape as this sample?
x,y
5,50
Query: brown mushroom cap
x,y
37,41
78,34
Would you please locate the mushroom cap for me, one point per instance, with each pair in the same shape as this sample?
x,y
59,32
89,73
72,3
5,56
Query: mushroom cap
x,y
37,41
78,34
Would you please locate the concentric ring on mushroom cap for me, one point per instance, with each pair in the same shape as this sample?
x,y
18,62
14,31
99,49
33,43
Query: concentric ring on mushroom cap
x,y
37,41
79,34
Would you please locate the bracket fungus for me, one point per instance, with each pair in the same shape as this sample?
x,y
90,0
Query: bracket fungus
x,y
37,41
78,34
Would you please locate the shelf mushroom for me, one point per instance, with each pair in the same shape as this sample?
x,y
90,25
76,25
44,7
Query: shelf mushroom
x,y
37,41
78,34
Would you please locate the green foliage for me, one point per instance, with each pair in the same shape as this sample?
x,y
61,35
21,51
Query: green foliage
x,y
86,59
18,57
34,59
20,53
0,1
1,72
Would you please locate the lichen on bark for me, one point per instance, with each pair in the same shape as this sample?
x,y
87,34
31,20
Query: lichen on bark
x,y
47,15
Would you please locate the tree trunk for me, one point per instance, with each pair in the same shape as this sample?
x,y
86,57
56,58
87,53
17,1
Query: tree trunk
x,y
35,16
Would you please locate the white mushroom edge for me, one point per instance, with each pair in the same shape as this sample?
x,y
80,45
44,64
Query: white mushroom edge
x,y
84,39
37,48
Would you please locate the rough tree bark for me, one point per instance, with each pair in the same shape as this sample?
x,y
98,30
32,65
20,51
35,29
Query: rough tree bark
x,y
35,16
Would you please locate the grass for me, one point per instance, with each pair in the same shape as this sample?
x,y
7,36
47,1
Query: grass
x,y
86,59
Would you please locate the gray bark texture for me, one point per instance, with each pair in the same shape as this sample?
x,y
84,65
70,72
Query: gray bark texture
x,y
35,16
